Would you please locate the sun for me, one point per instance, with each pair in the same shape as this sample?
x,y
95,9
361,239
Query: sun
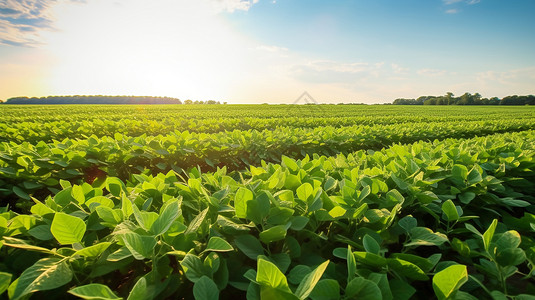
x,y
173,48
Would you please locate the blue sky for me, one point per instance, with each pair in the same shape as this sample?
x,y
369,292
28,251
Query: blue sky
x,y
257,51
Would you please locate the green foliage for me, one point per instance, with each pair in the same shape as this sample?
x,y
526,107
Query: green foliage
x,y
451,218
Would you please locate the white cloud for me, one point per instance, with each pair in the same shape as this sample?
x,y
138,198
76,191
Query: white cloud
x,y
431,72
397,69
452,11
233,5
469,2
22,20
271,48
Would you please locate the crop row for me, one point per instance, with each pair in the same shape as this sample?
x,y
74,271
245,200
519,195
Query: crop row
x,y
34,132
13,114
26,168
452,218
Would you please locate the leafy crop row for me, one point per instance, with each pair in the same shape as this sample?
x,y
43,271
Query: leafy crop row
x,y
26,168
36,131
453,218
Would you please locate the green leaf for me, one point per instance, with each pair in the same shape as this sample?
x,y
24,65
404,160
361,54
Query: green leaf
x,y
269,275
275,233
450,211
304,192
193,267
370,244
407,269
401,290
205,289
45,274
408,223
78,193
218,244
166,218
351,264
449,280
326,289
141,246
289,163
93,251
5,280
309,282
67,229
22,194
94,291
240,201
41,232
139,291
487,236
249,245
474,176
363,289
197,222
258,209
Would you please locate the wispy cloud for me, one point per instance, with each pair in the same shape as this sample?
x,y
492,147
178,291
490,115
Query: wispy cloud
x,y
271,48
326,71
469,2
21,21
234,5
431,72
452,11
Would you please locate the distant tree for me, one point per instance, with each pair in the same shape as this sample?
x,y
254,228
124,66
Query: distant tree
x,y
211,102
188,102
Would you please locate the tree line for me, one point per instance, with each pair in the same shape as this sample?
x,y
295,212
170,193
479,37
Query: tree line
x,y
100,99
466,99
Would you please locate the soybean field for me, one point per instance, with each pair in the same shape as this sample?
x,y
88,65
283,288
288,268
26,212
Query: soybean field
x,y
313,202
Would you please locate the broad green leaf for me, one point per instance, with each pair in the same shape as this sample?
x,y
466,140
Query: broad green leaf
x,y
93,251
218,244
45,274
407,269
309,282
249,245
5,280
141,246
370,244
166,218
258,209
382,282
139,291
196,222
67,229
41,232
275,233
363,289
289,163
351,264
487,236
269,275
401,290
450,211
449,280
305,192
508,240
408,223
78,194
193,267
21,193
326,289
205,289
474,176
240,202
94,291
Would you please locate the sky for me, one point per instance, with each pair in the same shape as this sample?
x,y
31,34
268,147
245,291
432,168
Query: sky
x,y
267,51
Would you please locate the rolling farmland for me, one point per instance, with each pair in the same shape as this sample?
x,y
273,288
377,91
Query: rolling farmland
x,y
267,202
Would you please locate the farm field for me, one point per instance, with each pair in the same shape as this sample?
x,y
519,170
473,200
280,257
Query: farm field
x,y
267,202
